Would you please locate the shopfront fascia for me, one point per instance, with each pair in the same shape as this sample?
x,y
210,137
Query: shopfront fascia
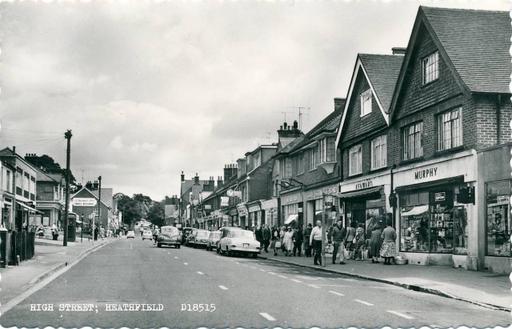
x,y
365,200
254,209
435,226
313,202
291,205
269,211
243,215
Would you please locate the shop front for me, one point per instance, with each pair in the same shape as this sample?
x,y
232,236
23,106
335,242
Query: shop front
x,y
255,216
496,226
314,203
365,200
243,215
269,212
292,208
436,212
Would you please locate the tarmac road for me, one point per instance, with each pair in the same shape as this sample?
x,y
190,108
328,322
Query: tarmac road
x,y
245,292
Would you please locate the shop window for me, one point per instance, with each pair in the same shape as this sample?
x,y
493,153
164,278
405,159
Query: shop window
x,y
498,218
412,141
449,129
355,160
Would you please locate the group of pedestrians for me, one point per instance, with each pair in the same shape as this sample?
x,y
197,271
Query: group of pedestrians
x,y
348,243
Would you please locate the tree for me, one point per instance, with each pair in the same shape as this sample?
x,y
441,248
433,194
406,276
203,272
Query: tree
x,y
156,214
48,164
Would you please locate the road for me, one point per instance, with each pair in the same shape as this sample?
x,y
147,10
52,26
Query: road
x,y
246,293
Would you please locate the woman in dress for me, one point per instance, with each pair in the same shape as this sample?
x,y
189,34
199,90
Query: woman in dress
x,y
360,240
375,242
288,241
349,240
388,249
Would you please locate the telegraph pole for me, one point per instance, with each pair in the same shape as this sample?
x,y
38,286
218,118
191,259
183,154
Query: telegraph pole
x,y
67,136
99,203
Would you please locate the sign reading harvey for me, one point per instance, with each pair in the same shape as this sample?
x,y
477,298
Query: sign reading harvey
x,y
84,202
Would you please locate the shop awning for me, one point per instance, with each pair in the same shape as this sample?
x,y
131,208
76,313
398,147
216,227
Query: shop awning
x,y
28,208
417,210
291,218
367,192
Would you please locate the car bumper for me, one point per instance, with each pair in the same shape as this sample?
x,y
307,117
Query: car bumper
x,y
168,242
242,249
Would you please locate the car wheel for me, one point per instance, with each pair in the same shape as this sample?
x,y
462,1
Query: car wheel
x,y
179,246
255,255
159,245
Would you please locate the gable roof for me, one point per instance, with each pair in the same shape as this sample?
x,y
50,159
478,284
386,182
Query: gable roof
x,y
106,195
475,42
329,124
92,194
381,72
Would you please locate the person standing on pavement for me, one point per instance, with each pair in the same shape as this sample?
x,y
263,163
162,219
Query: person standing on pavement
x,y
360,240
350,239
315,240
338,236
266,234
288,241
276,240
307,245
259,235
376,242
388,249
297,241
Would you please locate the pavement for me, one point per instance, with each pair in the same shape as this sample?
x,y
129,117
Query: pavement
x,y
481,288
50,256
191,288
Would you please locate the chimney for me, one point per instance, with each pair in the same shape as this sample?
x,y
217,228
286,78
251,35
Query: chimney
x,y
339,104
229,172
286,134
196,179
398,50
182,176
220,183
14,149
295,125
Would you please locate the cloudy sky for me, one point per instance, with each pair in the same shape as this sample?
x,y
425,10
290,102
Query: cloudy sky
x,y
153,88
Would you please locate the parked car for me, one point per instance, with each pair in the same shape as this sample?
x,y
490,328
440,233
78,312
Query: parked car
x,y
236,240
213,239
147,235
199,238
185,233
169,236
130,235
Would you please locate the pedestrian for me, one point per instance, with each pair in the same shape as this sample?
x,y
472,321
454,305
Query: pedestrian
x,y
388,249
288,241
338,236
259,235
307,234
315,240
297,241
266,235
350,239
359,242
276,240
281,237
375,242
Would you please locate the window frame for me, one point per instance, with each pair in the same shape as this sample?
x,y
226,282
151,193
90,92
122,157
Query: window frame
x,y
383,146
405,144
433,74
441,129
351,169
366,94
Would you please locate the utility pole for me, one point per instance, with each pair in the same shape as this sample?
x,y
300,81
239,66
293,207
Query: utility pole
x,y
67,136
99,204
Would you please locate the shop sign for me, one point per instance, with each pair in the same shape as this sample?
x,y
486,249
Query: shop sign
x,y
425,173
224,201
439,196
84,202
364,184
242,210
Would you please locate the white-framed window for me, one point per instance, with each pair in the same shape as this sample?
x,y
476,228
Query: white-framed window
x,y
313,158
366,102
355,160
449,129
300,163
327,149
287,168
430,67
412,141
379,152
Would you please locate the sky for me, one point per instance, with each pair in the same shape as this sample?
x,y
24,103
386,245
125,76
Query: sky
x,y
151,88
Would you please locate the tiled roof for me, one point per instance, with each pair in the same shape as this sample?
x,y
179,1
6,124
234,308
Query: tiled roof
x,y
291,145
382,72
477,43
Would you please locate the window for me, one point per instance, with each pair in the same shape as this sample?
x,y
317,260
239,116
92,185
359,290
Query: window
x,y
379,152
326,149
412,141
430,67
449,129
498,218
366,102
300,163
355,160
313,158
288,168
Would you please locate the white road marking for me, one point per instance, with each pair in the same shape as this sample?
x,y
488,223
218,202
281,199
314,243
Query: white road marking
x,y
282,276
223,288
238,263
336,293
268,316
363,302
272,273
333,285
405,316
176,257
295,280
314,286
262,270
200,273
185,263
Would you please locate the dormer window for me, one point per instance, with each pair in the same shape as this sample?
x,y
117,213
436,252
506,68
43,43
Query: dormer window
x,y
430,67
327,149
366,102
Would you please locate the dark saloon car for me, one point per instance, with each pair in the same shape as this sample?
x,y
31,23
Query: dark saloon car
x,y
169,236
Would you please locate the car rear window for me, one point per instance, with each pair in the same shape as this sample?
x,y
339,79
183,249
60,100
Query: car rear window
x,y
202,234
242,234
171,230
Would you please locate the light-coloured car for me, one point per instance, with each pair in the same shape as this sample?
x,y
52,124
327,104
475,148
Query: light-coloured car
x,y
147,235
234,240
199,238
130,235
169,236
213,239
